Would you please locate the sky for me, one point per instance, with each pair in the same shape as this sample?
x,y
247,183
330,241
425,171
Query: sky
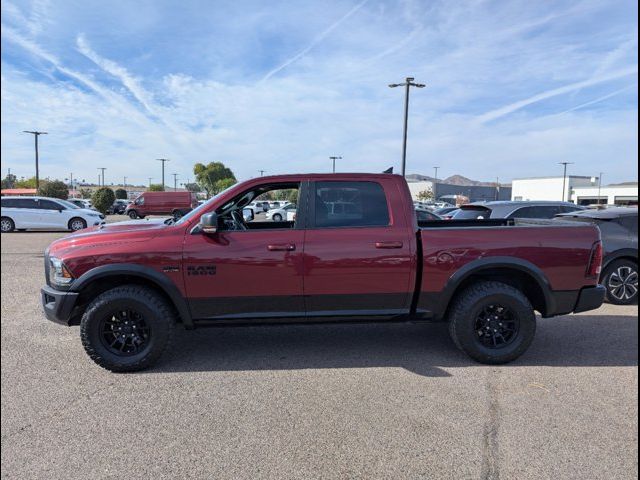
x,y
512,87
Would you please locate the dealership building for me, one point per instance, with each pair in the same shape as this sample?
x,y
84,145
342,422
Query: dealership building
x,y
577,189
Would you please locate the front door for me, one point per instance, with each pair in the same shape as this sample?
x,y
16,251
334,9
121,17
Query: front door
x,y
252,273
358,258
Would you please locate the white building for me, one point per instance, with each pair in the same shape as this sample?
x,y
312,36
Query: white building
x,y
416,187
577,189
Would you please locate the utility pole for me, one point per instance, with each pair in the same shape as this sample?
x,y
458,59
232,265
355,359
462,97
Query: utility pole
x,y
102,169
175,182
497,188
124,183
150,178
163,160
71,180
334,162
600,186
435,184
36,134
409,82
564,179
261,172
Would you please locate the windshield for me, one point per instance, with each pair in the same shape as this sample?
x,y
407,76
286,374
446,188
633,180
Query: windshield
x,y
472,214
67,204
200,208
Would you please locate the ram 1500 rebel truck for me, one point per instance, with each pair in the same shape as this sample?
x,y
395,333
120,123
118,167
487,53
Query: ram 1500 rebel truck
x,y
353,251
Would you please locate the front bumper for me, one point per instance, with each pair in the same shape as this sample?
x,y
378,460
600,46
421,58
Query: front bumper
x,y
58,305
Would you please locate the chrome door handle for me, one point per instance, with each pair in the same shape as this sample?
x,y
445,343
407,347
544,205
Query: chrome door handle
x,y
287,247
388,244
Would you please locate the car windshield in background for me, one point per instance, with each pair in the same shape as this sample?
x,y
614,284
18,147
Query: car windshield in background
x,y
67,204
472,214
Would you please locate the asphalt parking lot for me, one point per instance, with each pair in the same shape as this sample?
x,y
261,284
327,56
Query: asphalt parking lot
x,y
350,401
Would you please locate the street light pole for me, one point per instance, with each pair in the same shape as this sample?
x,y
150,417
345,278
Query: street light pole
x,y
36,134
564,179
435,183
163,160
150,178
261,172
102,169
124,183
409,82
175,182
334,162
599,185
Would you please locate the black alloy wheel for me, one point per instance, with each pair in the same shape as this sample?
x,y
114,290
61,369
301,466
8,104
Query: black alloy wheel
x,y
496,326
125,332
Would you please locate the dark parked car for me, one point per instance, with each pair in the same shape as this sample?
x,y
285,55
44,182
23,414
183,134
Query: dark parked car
x,y
118,207
506,209
446,213
619,230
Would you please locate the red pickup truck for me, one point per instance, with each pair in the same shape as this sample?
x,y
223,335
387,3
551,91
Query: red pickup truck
x,y
353,251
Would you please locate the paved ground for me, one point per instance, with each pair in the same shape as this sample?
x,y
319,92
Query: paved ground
x,y
395,401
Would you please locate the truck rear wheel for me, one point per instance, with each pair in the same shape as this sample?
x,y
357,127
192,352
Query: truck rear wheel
x,y
127,328
492,322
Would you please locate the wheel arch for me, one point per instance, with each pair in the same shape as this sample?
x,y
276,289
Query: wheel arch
x,y
622,254
519,273
100,279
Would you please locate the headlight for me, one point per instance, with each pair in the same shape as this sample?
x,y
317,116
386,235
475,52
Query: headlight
x,y
59,275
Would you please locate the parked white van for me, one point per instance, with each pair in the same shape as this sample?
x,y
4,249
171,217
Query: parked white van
x,y
22,213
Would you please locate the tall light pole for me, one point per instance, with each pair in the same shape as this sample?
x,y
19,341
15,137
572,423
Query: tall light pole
x,y
497,188
175,182
564,179
163,160
102,169
124,182
600,185
435,183
36,134
261,172
409,82
150,178
334,162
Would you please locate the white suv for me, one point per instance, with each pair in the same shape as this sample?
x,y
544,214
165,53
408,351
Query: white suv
x,y
22,213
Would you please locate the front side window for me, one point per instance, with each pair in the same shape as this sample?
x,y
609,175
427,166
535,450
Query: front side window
x,y
139,201
350,204
50,205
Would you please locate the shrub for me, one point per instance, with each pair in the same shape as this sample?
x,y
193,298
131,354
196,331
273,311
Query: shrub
x,y
102,199
55,189
121,194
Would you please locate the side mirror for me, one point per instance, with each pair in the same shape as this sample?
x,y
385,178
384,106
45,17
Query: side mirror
x,y
209,223
248,215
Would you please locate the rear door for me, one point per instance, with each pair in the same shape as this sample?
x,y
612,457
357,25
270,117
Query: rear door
x,y
27,213
358,256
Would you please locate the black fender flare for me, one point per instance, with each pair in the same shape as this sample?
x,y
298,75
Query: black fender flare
x,y
161,281
486,263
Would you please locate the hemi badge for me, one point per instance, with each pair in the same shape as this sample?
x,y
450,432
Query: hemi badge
x,y
170,269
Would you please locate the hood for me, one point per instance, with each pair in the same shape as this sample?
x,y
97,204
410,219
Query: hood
x,y
130,231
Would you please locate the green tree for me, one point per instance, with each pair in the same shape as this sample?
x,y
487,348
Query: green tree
x,y
9,181
55,189
223,184
425,194
102,199
85,193
155,187
208,175
121,194
28,183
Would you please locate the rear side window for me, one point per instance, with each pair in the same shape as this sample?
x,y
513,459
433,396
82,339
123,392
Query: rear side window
x,y
546,211
350,204
19,203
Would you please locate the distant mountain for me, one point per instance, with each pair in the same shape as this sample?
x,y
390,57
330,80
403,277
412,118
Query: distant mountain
x,y
452,180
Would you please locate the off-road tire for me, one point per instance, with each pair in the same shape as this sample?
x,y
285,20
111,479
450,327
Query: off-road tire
x,y
469,304
157,313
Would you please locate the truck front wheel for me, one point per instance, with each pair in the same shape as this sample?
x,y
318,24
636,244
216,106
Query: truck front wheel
x,y
492,322
127,328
